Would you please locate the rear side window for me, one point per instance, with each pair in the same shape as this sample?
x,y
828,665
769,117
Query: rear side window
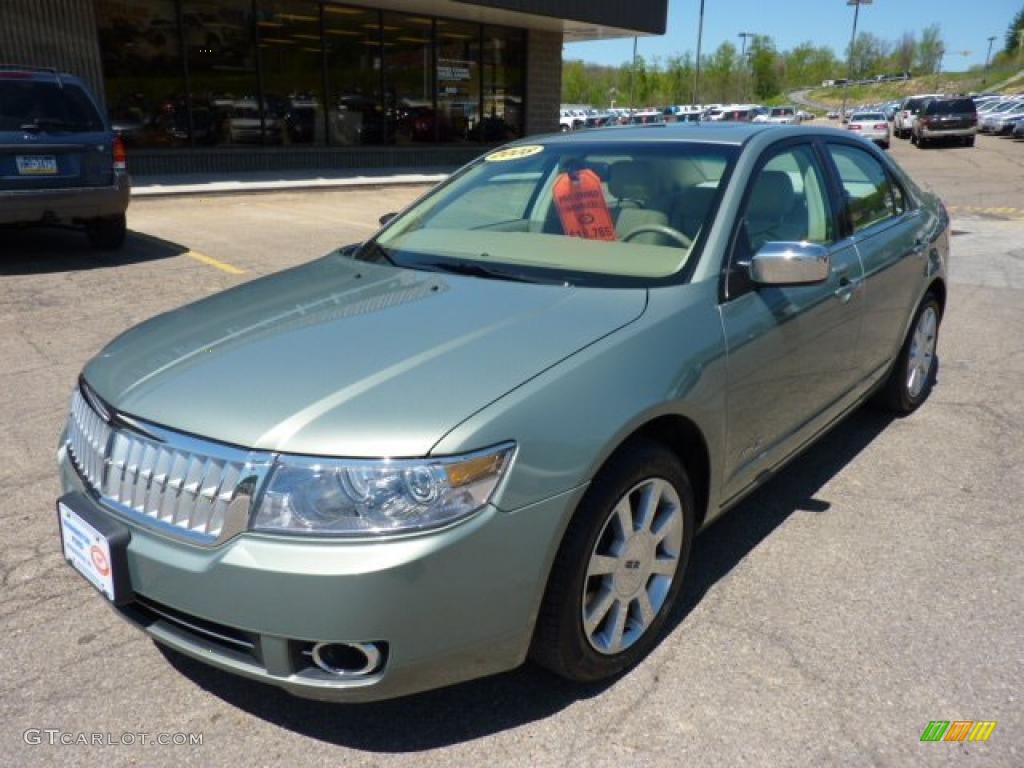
x,y
869,190
46,106
951,107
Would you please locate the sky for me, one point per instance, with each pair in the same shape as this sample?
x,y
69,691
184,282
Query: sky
x,y
966,26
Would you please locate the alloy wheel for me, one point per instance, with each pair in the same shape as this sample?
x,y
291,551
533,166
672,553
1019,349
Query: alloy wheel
x,y
922,351
632,566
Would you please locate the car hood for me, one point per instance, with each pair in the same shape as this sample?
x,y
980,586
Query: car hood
x,y
339,357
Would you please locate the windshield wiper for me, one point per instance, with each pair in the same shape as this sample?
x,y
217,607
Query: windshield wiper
x,y
374,251
476,269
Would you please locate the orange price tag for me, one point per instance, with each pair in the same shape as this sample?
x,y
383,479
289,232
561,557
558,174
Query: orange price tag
x,y
582,207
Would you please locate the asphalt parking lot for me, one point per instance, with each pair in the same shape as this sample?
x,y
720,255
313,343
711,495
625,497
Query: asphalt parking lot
x,y
872,587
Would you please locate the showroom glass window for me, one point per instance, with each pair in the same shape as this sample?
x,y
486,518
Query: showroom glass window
x,y
221,57
458,81
408,77
504,76
355,110
291,63
144,74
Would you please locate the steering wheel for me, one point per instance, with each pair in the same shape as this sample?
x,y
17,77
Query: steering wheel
x,y
661,229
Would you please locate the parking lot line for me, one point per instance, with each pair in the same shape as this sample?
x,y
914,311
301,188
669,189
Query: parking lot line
x,y
181,250
1000,212
223,266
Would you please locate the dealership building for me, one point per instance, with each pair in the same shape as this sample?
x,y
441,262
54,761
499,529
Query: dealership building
x,y
240,85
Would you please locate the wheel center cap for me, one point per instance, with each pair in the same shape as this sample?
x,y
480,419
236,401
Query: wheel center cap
x,y
634,566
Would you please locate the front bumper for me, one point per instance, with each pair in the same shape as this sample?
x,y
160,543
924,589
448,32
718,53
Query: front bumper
x,y
451,605
67,205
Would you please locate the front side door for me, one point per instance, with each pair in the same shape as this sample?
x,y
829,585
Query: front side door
x,y
791,350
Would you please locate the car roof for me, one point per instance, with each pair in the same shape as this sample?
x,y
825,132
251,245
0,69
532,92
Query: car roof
x,y
43,74
697,133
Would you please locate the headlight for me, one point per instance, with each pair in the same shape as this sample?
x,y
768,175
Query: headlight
x,y
351,497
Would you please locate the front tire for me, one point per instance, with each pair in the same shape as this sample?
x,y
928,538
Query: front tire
x,y
620,567
108,233
913,374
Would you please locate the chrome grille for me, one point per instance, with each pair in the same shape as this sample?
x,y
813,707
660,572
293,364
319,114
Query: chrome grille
x,y
191,488
88,436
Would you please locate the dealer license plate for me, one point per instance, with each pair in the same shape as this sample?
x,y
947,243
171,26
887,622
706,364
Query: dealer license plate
x,y
87,550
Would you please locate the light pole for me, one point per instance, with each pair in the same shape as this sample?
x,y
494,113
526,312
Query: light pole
x,y
853,37
632,76
743,59
988,56
700,39
745,35
938,73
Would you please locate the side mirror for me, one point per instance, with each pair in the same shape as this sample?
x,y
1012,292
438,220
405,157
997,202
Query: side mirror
x,y
783,263
386,218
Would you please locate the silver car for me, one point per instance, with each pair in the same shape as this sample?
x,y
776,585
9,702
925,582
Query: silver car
x,y
871,126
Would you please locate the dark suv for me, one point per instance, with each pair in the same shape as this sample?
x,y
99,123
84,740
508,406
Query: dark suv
x,y
59,161
946,118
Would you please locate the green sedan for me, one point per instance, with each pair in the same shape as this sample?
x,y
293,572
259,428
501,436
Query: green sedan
x,y
492,431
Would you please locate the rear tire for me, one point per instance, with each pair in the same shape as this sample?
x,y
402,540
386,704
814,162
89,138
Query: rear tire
x,y
913,373
969,141
626,580
108,233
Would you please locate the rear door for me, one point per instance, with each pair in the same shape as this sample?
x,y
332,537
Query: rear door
x,y
890,234
51,135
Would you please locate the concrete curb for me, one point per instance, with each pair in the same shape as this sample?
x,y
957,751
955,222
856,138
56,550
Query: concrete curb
x,y
144,189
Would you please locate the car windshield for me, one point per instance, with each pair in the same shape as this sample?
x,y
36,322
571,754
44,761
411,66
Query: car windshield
x,y
867,117
46,106
950,107
608,213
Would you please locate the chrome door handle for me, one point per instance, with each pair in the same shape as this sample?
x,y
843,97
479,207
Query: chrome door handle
x,y
845,290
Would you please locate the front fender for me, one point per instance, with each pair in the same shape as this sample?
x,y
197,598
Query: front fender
x,y
568,420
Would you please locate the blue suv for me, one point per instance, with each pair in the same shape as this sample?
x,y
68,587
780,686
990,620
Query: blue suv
x,y
60,163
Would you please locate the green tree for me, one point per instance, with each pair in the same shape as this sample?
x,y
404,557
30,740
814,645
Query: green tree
x,y
903,53
763,69
719,81
678,78
1013,32
930,49
574,82
868,55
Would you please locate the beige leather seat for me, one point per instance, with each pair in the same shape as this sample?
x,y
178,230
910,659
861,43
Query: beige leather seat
x,y
772,213
636,189
690,209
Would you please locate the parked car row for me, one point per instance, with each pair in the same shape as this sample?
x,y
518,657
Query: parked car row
x,y
576,118
1001,115
927,119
